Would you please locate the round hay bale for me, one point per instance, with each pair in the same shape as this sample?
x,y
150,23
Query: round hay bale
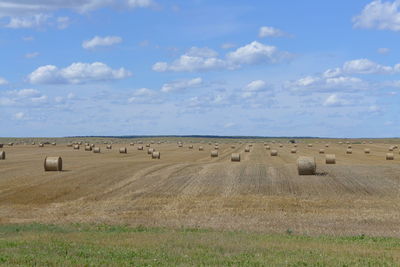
x,y
2,155
268,148
109,146
309,145
216,147
201,148
214,153
280,145
367,151
96,150
295,145
247,149
190,146
326,145
69,145
147,145
322,151
233,147
123,150
274,153
1,145
293,151
235,157
41,145
88,148
349,146
330,159
155,155
76,147
391,148
10,144
92,145
306,166
349,151
389,156
53,164
180,145
150,151
53,144
132,144
140,148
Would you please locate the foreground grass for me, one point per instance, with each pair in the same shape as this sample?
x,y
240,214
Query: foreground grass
x,y
37,244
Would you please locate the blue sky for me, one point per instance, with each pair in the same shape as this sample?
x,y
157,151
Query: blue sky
x,y
154,67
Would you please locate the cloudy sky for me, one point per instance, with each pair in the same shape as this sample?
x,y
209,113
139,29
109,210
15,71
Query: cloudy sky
x,y
158,67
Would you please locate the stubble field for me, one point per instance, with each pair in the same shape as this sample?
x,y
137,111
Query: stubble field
x,y
359,195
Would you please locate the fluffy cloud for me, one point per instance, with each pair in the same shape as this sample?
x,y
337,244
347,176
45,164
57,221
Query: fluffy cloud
x,y
365,66
33,21
205,59
101,41
255,53
29,14
28,7
256,86
3,81
267,31
196,59
379,15
181,85
334,101
77,73
322,84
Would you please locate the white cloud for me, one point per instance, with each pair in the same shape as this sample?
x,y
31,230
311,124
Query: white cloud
x,y
334,101
77,73
267,31
29,7
195,59
383,50
332,73
181,85
3,81
206,59
19,115
29,13
101,41
255,53
144,95
63,22
144,92
365,66
379,15
33,21
256,85
31,55
314,83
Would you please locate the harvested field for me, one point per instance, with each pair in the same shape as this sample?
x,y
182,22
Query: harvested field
x,y
360,194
